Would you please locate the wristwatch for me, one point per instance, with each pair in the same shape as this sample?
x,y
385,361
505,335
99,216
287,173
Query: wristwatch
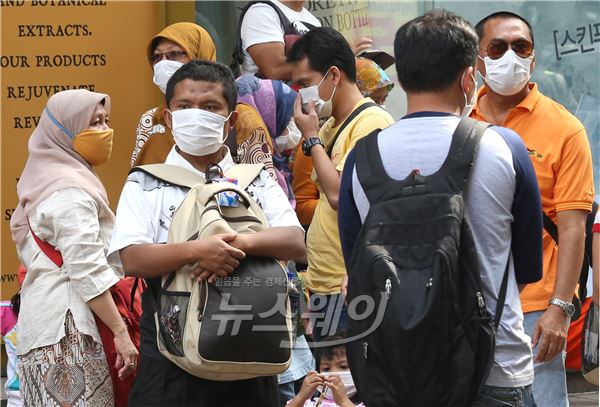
x,y
307,145
567,307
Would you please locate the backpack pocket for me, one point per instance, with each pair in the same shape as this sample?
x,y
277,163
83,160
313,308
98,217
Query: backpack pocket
x,y
172,311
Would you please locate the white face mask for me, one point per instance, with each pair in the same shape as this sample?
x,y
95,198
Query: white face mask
x,y
163,71
291,140
323,108
198,132
469,106
346,378
509,74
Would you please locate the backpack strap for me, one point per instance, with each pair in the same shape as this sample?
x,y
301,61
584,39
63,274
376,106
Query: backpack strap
x,y
369,168
171,174
244,173
348,120
452,176
238,55
501,295
454,173
550,227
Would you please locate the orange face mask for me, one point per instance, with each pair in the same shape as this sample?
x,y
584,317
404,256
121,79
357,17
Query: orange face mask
x,y
94,146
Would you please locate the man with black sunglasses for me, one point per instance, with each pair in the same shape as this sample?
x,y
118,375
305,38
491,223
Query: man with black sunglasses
x,y
560,152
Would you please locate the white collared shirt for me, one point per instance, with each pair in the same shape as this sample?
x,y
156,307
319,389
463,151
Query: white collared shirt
x,y
147,205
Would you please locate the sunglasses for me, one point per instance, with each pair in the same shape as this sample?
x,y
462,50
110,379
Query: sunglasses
x,y
170,55
497,48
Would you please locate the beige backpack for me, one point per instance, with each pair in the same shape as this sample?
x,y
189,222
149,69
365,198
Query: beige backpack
x,y
239,327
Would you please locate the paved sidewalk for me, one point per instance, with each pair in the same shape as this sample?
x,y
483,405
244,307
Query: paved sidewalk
x,y
586,399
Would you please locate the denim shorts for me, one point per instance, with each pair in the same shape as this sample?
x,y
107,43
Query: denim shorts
x,y
491,396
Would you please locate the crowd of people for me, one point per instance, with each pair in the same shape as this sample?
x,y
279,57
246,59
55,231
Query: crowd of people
x,y
336,169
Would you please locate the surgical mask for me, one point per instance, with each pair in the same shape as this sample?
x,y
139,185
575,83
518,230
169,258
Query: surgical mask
x,y
509,74
163,71
94,146
469,106
346,378
197,131
323,108
291,140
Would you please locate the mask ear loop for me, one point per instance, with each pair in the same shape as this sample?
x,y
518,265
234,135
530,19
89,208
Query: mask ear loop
x,y
228,131
58,124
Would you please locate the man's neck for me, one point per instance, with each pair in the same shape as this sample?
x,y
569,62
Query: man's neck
x,y
201,162
432,102
295,5
495,107
347,96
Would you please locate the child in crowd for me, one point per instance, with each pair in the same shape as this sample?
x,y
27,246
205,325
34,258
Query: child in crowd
x,y
333,380
9,311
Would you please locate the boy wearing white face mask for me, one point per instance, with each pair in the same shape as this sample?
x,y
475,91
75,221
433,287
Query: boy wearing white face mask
x,y
200,100
560,152
333,381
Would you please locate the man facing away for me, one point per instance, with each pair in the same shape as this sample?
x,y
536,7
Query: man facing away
x,y
559,150
435,60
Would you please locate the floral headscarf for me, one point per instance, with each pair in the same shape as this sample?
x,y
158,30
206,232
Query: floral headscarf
x,y
370,77
274,101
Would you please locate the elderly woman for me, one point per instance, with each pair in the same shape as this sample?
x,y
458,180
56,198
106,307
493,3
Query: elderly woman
x,y
174,46
63,206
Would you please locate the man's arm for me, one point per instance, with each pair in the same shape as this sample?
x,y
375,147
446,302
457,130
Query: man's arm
x,y
571,229
270,59
573,194
263,39
329,177
212,254
283,243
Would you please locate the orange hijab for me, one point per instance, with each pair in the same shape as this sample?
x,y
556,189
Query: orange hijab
x,y
195,41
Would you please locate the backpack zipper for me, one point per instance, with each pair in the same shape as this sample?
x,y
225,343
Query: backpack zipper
x,y
480,302
365,349
388,288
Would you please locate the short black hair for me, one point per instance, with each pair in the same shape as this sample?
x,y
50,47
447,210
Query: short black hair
x,y
432,50
480,26
324,47
329,352
201,70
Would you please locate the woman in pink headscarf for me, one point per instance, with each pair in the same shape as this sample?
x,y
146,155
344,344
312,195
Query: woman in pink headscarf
x,y
63,204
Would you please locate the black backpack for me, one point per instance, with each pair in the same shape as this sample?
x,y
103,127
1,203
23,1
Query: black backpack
x,y
290,35
552,230
429,339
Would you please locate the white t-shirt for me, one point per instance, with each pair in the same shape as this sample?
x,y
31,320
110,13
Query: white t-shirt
x,y
262,24
147,205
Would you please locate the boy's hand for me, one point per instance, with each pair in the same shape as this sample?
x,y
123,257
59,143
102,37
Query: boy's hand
x,y
339,391
215,257
310,384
